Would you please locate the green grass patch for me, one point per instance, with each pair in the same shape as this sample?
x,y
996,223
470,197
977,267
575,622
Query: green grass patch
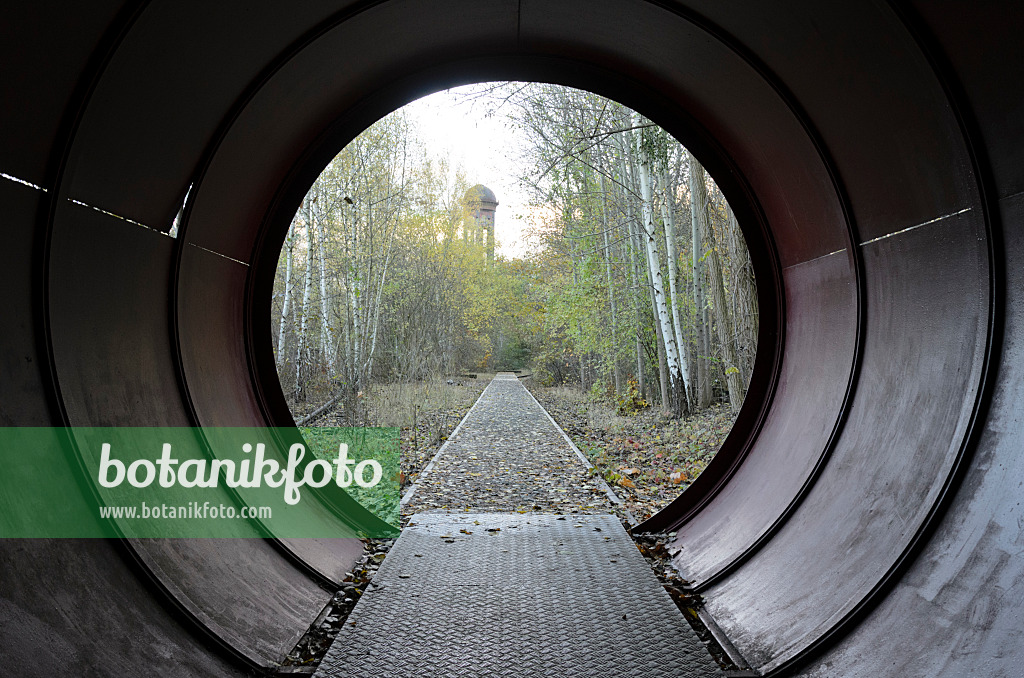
x,y
379,443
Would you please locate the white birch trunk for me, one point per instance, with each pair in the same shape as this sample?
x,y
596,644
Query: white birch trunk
x,y
654,261
377,304
304,309
287,295
325,305
673,272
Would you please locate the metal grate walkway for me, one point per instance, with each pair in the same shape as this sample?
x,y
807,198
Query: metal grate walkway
x,y
475,594
478,595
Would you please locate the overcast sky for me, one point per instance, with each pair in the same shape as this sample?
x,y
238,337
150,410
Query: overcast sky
x,y
486,147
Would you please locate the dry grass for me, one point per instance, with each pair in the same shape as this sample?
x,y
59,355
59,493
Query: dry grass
x,y
649,458
603,415
599,414
397,404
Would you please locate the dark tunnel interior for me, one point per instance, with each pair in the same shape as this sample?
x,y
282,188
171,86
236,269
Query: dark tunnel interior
x,y
863,517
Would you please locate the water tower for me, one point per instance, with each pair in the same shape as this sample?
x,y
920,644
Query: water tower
x,y
479,225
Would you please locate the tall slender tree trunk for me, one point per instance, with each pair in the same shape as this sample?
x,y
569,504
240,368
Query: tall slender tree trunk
x,y
699,215
634,250
579,329
668,218
376,312
678,397
664,380
356,300
300,358
287,295
745,297
345,293
721,309
326,331
616,375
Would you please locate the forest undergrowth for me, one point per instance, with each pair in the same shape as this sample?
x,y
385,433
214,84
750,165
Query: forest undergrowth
x,y
647,458
425,411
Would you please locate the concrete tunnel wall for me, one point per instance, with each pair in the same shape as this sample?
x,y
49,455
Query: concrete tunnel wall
x,y
863,518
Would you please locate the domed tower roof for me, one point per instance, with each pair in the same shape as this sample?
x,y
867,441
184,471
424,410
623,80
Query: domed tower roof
x,y
481,194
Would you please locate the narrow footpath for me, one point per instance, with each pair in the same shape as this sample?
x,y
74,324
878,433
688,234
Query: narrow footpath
x,y
507,455
512,565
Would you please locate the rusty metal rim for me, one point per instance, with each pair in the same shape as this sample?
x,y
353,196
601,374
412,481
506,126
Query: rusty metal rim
x,y
686,507
257,368
993,345
856,265
199,173
54,197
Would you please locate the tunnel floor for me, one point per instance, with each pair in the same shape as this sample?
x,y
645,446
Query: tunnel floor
x,y
511,559
484,594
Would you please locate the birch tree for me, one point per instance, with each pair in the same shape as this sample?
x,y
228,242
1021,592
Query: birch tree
x,y
301,367
646,153
289,249
395,285
668,218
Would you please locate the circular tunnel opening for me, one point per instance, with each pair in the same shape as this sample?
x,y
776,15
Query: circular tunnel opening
x,y
403,285
852,265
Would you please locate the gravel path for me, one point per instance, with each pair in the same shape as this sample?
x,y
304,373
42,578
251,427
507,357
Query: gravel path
x,y
507,456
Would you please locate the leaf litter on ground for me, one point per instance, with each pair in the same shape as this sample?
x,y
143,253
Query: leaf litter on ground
x,y
648,459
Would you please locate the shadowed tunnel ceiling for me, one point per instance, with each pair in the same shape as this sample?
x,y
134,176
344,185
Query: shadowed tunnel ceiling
x,y
863,518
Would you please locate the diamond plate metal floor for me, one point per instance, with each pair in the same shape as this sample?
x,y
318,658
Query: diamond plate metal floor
x,y
484,594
